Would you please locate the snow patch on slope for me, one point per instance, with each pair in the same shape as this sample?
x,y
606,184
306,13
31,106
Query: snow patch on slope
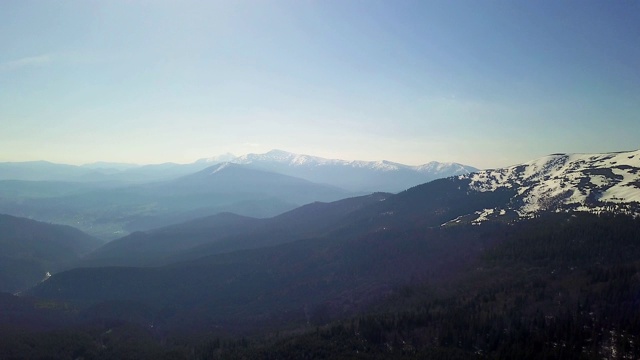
x,y
220,167
584,182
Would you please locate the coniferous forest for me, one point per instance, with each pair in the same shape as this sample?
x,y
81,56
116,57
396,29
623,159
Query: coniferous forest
x,y
558,286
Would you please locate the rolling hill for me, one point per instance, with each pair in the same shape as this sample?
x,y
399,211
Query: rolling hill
x,y
226,232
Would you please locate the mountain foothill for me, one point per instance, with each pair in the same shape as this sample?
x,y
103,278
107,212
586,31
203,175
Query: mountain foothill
x,y
289,256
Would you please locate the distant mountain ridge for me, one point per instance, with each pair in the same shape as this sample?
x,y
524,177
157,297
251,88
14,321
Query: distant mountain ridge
x,y
111,212
353,175
46,171
95,172
292,159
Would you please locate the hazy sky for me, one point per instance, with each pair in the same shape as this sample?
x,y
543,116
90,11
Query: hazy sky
x,y
486,83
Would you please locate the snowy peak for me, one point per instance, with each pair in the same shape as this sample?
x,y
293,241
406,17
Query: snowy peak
x,y
292,159
354,175
453,169
382,165
562,182
282,157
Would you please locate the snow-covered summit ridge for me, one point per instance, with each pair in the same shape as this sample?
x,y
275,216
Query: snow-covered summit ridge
x,y
352,175
301,160
582,182
280,156
442,167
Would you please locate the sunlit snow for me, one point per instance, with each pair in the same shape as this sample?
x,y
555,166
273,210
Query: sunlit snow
x,y
583,182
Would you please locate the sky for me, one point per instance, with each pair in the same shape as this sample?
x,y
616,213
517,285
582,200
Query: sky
x,y
484,83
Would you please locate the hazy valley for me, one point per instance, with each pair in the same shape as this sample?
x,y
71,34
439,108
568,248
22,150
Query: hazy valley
x,y
111,200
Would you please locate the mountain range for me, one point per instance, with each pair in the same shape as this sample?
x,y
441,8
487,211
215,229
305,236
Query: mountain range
x,y
470,266
357,176
353,175
109,200
341,241
113,211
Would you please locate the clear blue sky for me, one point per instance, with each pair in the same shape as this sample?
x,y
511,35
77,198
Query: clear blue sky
x,y
486,83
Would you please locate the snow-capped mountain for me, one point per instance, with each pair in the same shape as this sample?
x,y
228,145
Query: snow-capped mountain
x,y
300,160
595,183
446,169
352,175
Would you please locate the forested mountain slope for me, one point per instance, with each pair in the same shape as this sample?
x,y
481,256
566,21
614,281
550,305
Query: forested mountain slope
x,y
30,249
